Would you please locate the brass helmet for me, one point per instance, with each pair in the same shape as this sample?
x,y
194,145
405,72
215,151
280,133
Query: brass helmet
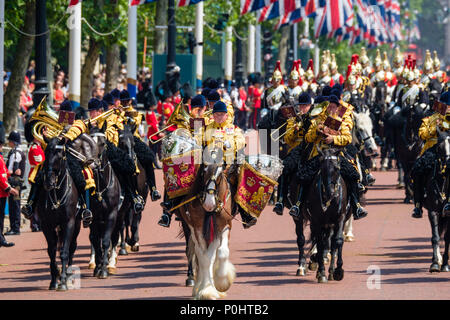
x,y
350,77
405,71
398,58
277,75
333,64
378,61
325,62
363,57
436,62
294,75
416,70
309,74
428,64
411,74
386,64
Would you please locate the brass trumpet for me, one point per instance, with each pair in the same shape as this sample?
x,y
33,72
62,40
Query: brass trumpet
x,y
178,115
299,121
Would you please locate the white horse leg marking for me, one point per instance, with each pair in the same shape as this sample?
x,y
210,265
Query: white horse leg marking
x,y
348,230
224,271
206,256
92,259
112,260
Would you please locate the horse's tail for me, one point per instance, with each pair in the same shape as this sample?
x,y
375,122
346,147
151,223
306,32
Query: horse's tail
x,y
209,227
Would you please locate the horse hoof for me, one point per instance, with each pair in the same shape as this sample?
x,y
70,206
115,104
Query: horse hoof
x,y
61,287
190,282
407,200
338,274
445,268
123,252
103,274
434,267
112,270
313,266
135,248
96,272
330,277
91,266
322,279
301,272
52,286
349,238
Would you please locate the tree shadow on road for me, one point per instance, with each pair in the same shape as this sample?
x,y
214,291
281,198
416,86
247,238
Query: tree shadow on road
x,y
21,289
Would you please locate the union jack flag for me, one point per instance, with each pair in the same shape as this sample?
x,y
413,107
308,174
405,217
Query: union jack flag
x,y
253,5
138,2
183,3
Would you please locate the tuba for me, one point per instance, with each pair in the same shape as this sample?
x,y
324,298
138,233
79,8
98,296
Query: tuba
x,y
45,118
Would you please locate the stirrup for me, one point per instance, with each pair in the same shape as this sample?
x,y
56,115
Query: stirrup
x,y
446,210
417,213
278,209
359,213
155,195
87,217
27,211
295,210
165,220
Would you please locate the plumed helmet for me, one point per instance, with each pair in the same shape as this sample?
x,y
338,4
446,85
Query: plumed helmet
x,y
378,61
398,57
386,64
428,64
436,62
363,57
277,75
294,75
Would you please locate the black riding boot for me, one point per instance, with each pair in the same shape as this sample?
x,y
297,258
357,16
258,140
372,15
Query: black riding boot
x,y
28,209
418,191
166,217
86,213
357,210
295,209
247,219
279,206
146,157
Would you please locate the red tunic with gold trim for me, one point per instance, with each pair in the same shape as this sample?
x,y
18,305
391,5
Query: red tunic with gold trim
x,y
36,156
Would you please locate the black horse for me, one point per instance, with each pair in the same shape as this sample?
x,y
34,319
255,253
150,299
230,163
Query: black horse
x,y
407,143
128,215
435,187
327,208
105,206
57,210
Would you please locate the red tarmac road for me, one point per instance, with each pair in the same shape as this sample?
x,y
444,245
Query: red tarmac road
x,y
265,257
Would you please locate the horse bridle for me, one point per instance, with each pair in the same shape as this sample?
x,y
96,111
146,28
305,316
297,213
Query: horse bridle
x,y
211,189
56,203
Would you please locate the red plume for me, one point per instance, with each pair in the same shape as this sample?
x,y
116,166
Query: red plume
x,y
278,67
310,65
349,71
413,64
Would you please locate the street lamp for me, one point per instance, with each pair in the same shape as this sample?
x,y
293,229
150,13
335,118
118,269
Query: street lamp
x,y
41,83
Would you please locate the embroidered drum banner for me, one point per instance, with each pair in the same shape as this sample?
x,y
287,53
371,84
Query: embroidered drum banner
x,y
254,190
179,174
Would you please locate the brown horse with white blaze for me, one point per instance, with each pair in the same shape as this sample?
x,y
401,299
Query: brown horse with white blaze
x,y
209,219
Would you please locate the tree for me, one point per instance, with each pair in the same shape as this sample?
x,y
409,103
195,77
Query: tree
x,y
22,56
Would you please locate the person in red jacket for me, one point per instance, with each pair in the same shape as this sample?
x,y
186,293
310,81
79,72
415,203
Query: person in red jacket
x,y
5,191
36,156
152,123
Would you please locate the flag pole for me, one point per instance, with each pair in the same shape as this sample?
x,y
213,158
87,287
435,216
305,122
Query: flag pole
x,y
145,43
198,50
74,24
132,51
251,49
2,45
228,56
